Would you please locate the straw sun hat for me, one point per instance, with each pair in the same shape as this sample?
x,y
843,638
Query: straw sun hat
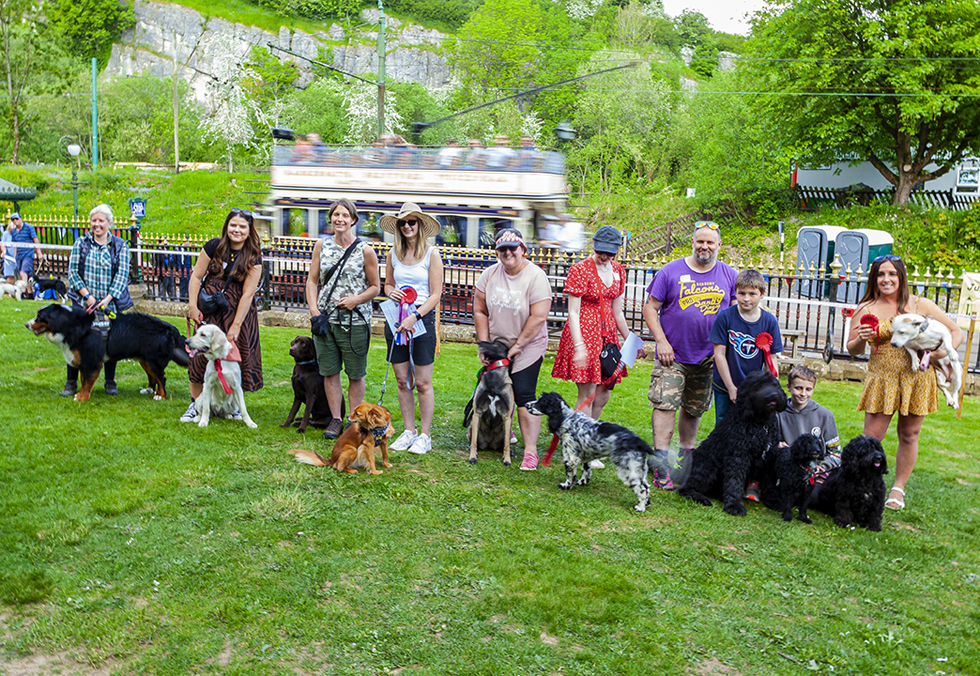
x,y
429,226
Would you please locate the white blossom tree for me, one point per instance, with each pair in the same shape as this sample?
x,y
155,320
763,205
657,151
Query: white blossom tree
x,y
361,103
230,111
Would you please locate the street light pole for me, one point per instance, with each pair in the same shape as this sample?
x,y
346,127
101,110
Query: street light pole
x,y
72,150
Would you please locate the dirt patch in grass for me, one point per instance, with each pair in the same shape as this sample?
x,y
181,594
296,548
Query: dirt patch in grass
x,y
60,663
714,666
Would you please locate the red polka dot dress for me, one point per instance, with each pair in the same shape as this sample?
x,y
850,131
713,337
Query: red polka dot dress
x,y
595,320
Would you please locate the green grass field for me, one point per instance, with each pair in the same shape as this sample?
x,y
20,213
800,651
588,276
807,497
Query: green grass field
x,y
132,543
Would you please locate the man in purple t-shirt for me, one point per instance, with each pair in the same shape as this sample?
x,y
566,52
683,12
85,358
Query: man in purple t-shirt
x,y
684,298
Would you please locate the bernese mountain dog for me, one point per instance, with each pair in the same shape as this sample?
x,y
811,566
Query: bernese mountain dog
x,y
152,342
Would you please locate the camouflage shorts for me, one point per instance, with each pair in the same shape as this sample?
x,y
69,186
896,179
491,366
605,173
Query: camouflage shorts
x,y
686,386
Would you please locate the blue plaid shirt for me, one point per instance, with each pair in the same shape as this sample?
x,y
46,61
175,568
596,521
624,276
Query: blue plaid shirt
x,y
97,276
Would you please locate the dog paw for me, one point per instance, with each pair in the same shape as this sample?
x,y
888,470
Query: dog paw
x,y
147,390
582,482
203,423
565,486
251,424
639,508
299,430
736,510
506,463
286,424
472,461
157,397
805,519
388,464
787,516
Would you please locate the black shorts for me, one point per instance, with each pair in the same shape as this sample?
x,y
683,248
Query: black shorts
x,y
526,384
423,348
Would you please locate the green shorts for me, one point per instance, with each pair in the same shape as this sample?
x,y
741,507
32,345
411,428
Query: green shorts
x,y
686,386
344,346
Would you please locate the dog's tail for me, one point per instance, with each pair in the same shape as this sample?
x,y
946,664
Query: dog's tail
x,y
309,457
468,413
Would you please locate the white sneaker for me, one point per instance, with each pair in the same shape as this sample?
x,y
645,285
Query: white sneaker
x,y
190,413
403,441
421,445
597,464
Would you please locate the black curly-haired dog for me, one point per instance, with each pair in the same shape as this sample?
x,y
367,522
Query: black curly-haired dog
x,y
788,480
723,462
855,491
584,439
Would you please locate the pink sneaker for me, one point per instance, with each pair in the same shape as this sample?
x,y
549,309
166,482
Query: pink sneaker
x,y
530,462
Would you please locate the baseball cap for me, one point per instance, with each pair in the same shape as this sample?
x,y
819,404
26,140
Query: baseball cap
x,y
510,238
607,240
14,215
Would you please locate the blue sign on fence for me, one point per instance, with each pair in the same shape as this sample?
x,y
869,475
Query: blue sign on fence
x,y
137,208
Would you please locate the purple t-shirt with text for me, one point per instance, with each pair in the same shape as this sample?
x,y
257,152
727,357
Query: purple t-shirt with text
x,y
690,302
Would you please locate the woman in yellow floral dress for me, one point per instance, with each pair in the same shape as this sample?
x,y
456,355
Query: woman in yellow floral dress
x,y
892,386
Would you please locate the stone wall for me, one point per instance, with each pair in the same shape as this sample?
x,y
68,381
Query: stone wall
x,y
163,30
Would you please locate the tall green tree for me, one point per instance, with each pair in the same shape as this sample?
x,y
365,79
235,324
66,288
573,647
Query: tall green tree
x,y
892,82
89,26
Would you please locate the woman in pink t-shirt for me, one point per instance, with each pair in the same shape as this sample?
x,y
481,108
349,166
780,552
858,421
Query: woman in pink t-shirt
x,y
513,298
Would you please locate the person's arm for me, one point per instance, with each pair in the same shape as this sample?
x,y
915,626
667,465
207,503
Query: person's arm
x,y
245,302
119,283
860,334
75,281
373,282
651,315
313,279
391,289
580,351
435,292
40,253
194,286
481,320
721,363
930,309
532,327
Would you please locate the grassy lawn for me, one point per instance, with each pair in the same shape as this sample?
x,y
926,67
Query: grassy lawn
x,y
132,543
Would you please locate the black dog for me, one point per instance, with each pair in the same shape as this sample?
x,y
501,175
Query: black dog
x,y
151,341
735,448
308,387
584,439
855,491
48,283
788,479
490,412
70,328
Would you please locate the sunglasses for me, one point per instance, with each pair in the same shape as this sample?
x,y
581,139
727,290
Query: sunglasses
x,y
707,224
887,257
242,212
408,221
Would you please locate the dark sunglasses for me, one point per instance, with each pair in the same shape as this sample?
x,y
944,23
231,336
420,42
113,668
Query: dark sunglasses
x,y
242,212
408,221
887,257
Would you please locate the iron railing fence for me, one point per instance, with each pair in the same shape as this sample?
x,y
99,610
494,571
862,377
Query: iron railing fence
x,y
811,198
810,304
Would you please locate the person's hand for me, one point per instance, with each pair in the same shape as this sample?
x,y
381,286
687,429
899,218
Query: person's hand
x,y
581,357
732,393
665,353
194,314
233,333
514,351
408,325
89,302
348,302
783,444
865,332
641,353
483,359
396,294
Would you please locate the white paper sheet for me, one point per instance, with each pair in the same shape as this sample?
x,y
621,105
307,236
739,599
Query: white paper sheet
x,y
630,346
390,310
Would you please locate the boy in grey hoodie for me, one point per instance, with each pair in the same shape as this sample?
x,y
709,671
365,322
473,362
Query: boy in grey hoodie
x,y
805,416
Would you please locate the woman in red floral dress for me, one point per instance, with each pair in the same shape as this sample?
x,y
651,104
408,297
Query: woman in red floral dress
x,y
595,288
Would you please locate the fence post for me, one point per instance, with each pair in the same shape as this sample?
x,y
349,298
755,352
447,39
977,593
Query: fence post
x,y
135,268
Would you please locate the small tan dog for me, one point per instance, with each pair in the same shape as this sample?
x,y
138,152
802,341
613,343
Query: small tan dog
x,y
355,448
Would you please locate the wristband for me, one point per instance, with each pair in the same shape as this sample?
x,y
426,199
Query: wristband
x,y
86,297
418,314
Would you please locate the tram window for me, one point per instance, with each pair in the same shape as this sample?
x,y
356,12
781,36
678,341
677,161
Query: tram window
x,y
324,228
453,232
367,226
295,222
489,227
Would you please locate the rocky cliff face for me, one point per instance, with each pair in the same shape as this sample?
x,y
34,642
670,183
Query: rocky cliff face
x,y
163,31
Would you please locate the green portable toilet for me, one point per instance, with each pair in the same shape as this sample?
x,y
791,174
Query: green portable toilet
x,y
815,244
859,248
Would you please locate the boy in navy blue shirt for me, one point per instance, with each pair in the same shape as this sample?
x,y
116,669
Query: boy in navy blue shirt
x,y
734,333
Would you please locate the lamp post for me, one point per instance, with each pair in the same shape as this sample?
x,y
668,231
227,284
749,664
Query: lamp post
x,y
72,149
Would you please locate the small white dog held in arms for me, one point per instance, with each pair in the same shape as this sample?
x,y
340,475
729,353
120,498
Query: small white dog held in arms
x,y
14,290
916,332
222,394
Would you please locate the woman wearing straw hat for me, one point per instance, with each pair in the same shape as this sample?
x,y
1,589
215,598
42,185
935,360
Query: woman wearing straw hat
x,y
413,263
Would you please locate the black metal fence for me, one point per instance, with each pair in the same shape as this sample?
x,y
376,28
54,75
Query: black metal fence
x,y
811,305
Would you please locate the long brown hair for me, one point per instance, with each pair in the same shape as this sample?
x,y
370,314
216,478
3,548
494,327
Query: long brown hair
x,y
872,293
251,252
401,241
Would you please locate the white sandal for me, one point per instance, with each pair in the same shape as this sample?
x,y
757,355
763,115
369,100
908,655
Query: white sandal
x,y
896,503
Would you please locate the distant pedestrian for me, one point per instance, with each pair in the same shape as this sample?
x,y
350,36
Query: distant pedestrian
x,y
24,259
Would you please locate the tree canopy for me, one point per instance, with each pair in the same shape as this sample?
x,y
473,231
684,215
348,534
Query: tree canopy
x,y
892,82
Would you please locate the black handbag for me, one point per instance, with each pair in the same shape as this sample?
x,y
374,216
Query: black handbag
x,y
609,359
213,303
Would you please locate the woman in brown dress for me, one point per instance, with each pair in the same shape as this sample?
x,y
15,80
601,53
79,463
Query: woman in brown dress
x,y
233,263
892,386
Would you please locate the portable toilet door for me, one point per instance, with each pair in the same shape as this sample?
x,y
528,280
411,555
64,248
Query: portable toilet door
x,y
857,249
814,244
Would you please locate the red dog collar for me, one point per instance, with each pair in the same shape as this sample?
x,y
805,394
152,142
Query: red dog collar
x,y
500,363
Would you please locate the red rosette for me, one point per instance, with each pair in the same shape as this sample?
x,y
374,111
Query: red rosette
x,y
871,321
764,342
411,295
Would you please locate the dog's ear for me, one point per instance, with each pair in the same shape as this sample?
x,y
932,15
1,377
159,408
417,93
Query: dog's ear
x,y
361,414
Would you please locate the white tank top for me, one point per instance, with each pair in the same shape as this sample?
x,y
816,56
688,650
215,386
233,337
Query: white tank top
x,y
415,276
